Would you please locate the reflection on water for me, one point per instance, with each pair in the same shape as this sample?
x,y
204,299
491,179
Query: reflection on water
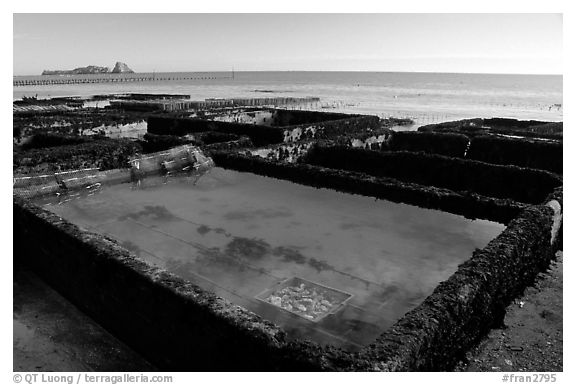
x,y
238,234
156,213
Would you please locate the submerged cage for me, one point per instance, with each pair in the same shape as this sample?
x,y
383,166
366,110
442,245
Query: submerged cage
x,y
309,300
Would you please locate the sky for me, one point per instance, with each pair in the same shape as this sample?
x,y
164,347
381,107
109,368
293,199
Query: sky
x,y
474,43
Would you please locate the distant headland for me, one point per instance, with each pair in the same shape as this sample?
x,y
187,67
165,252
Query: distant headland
x,y
119,68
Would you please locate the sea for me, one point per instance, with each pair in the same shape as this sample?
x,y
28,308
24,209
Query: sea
x,y
424,97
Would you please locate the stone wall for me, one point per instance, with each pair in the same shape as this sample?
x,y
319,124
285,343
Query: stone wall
x,y
332,129
532,144
105,154
153,143
260,135
526,128
180,327
499,181
284,118
448,144
519,152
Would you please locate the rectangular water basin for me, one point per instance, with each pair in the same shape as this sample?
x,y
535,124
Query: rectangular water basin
x,y
239,234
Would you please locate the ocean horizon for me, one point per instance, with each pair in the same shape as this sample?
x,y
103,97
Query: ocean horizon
x,y
423,96
337,71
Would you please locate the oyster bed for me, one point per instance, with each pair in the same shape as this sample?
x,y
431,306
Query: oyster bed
x,y
305,298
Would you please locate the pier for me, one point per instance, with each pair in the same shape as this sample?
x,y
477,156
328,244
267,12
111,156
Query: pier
x,y
116,79
183,105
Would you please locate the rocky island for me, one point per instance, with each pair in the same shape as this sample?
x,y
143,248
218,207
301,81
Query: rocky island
x,y
119,67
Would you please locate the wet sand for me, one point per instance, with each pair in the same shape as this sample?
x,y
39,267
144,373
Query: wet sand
x,y
532,337
51,334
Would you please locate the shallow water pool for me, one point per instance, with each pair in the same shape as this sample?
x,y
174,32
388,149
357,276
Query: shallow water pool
x,y
240,234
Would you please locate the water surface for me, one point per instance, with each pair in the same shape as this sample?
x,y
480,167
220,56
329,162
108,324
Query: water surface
x,y
425,97
239,234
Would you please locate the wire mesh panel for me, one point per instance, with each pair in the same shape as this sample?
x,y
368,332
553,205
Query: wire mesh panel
x,y
306,299
30,186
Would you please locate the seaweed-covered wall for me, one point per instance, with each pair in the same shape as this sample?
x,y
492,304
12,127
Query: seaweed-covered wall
x,y
104,154
449,144
43,140
527,128
283,118
470,205
265,135
510,123
464,308
242,142
520,152
152,142
260,135
70,122
472,127
274,117
206,139
178,326
288,152
212,137
532,144
331,129
505,182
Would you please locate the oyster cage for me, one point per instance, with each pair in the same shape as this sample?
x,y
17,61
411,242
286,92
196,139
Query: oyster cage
x,y
305,299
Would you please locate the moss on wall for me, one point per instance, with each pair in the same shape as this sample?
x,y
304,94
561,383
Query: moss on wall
x,y
464,308
105,154
316,126
505,182
260,135
448,144
520,152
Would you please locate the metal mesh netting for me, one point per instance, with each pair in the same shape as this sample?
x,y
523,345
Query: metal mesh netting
x,y
30,186
183,158
175,159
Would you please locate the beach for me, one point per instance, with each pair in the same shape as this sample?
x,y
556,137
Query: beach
x,y
424,97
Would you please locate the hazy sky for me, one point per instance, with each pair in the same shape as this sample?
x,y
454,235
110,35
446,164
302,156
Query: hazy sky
x,y
491,43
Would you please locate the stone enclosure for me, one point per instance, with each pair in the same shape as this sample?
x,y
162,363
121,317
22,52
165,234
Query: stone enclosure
x,y
504,171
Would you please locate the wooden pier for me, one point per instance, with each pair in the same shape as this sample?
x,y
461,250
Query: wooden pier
x,y
183,105
116,79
